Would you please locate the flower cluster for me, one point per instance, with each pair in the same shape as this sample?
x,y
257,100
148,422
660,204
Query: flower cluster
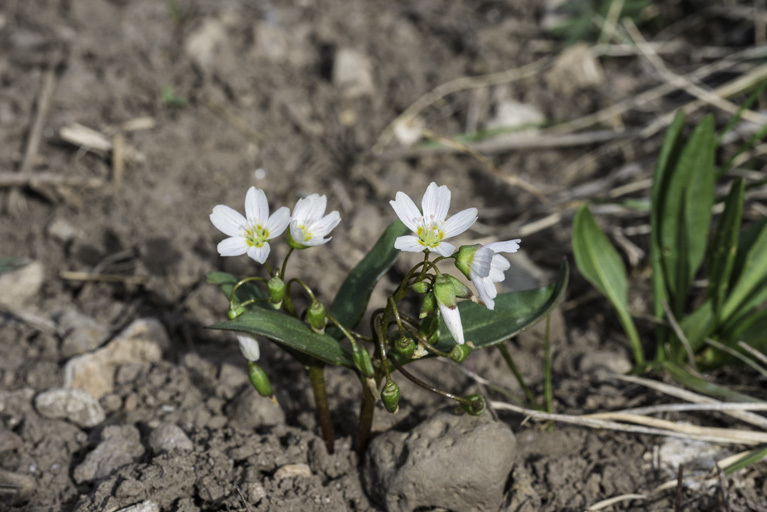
x,y
482,264
252,233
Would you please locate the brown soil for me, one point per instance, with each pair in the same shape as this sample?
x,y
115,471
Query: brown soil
x,y
258,91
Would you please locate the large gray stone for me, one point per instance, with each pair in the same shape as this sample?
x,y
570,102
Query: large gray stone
x,y
250,411
75,405
448,461
169,437
120,445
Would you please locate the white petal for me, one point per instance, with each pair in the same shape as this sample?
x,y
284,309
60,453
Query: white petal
x,y
314,208
486,291
498,267
249,347
234,246
295,232
406,210
326,224
228,221
435,203
259,253
317,240
443,249
278,222
480,264
303,208
452,319
460,222
256,206
408,243
507,246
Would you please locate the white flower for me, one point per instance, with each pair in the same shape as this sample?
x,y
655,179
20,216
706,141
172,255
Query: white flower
x,y
310,224
249,347
452,318
487,268
431,227
249,234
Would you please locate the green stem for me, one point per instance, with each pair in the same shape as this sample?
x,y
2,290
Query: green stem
x,y
241,282
547,390
367,411
285,263
415,380
317,376
514,370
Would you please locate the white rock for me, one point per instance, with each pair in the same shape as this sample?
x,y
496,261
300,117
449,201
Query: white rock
x,y
204,43
292,470
168,437
75,405
144,506
352,73
22,285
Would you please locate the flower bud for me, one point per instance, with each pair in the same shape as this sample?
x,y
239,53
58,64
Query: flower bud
x,y
477,405
315,315
464,257
420,287
404,347
276,288
459,353
249,347
447,288
428,305
362,361
235,310
260,381
390,396
429,328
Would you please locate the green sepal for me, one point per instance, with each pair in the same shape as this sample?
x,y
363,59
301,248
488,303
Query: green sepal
x,y
476,405
293,244
315,315
447,288
420,287
362,362
235,310
390,396
276,288
464,257
404,347
459,353
428,305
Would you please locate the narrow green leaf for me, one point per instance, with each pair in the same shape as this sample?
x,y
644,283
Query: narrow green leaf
x,y
669,154
686,211
749,458
290,333
752,330
724,246
351,301
748,237
697,325
738,115
513,313
684,377
750,290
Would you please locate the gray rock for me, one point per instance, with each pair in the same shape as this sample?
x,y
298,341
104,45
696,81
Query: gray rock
x,y
83,333
120,445
352,73
144,506
455,462
62,231
250,411
75,405
9,440
16,488
169,437
22,285
604,360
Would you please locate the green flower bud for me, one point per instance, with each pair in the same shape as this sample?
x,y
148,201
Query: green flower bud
x,y
362,361
464,257
404,347
428,305
447,288
390,396
420,287
235,310
459,353
429,328
315,315
477,407
276,288
260,381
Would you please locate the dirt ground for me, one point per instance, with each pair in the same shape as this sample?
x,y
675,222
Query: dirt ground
x,y
198,100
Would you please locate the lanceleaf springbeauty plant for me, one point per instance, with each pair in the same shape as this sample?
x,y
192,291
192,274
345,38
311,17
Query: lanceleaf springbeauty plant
x,y
451,322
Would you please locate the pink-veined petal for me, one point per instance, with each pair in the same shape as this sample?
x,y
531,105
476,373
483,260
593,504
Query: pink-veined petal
x,y
228,221
509,246
406,210
459,222
278,222
480,264
259,253
443,249
452,319
408,243
256,206
234,246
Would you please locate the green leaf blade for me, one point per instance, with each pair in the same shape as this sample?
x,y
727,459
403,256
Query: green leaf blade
x,y
750,290
725,245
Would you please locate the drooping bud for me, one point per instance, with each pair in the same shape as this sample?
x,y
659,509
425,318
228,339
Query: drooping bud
x,y
428,305
429,328
447,288
404,347
315,315
362,361
476,406
235,310
249,347
260,381
459,353
420,287
390,396
276,288
464,257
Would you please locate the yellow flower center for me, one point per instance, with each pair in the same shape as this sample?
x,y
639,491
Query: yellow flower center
x,y
256,236
430,236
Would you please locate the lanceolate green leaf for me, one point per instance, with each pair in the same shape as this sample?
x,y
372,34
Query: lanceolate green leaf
x,y
513,313
696,326
724,246
684,377
686,204
351,301
750,290
291,333
601,264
